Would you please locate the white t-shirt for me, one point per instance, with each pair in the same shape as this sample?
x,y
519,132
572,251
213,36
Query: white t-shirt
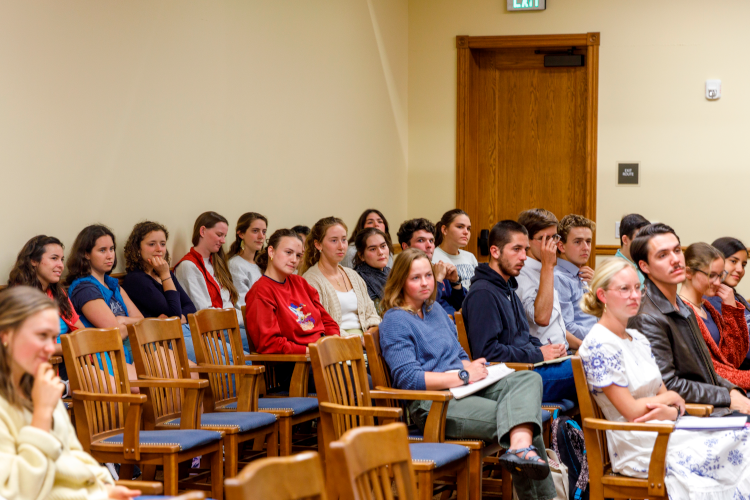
x,y
465,263
244,276
528,289
348,305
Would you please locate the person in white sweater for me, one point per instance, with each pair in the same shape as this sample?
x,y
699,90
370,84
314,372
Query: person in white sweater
x,y
251,236
204,273
40,454
453,233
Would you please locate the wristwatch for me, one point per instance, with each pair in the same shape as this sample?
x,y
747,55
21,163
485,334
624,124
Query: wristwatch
x,y
464,376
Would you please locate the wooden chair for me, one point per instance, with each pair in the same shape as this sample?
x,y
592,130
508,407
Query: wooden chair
x,y
153,490
300,376
373,461
151,339
603,482
434,431
285,478
108,416
345,403
207,328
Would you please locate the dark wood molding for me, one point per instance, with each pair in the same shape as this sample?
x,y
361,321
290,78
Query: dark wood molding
x,y
528,41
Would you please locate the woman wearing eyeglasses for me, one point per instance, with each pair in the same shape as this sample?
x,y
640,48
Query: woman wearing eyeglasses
x,y
627,385
725,333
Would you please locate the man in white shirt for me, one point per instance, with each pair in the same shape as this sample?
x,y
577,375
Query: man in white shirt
x,y
536,283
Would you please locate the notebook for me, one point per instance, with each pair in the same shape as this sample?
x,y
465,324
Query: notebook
x,y
688,423
495,373
552,361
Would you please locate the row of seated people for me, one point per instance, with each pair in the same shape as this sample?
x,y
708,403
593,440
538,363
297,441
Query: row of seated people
x,y
420,346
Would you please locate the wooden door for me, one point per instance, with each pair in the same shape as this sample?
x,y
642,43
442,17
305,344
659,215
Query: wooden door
x,y
526,133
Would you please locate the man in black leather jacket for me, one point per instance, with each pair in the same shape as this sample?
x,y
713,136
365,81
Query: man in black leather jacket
x,y
671,327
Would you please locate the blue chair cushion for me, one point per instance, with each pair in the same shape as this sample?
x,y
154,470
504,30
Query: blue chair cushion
x,y
297,405
546,416
244,421
186,439
438,453
563,405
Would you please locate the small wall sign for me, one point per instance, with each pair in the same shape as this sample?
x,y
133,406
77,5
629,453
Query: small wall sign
x,y
516,5
628,174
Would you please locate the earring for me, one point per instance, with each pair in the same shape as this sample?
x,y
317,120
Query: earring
x,y
271,259
5,344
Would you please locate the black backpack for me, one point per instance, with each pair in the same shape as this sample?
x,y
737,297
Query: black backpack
x,y
567,442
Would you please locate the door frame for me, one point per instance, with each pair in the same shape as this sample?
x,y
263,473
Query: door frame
x,y
468,102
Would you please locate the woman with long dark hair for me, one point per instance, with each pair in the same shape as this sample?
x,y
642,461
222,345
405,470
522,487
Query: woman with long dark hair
x,y
249,240
40,264
40,454
371,261
370,218
95,294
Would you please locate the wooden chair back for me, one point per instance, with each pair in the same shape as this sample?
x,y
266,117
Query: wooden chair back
x,y
88,354
296,477
375,461
381,376
270,374
208,327
589,409
341,384
152,341
463,338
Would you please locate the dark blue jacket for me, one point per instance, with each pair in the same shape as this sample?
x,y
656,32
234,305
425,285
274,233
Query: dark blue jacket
x,y
496,321
450,298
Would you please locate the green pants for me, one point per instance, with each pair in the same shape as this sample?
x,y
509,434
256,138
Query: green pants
x,y
491,413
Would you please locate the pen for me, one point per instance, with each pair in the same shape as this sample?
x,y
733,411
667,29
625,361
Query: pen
x,y
549,341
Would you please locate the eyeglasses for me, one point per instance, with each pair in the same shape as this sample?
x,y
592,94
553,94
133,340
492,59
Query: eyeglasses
x,y
554,237
626,291
713,276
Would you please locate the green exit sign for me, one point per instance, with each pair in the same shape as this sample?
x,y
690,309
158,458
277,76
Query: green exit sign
x,y
514,5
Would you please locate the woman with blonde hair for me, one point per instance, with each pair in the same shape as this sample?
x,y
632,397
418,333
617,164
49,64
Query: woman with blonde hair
x,y
626,383
342,291
421,348
725,332
41,456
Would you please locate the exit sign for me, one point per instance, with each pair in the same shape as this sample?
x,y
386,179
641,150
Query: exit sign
x,y
514,5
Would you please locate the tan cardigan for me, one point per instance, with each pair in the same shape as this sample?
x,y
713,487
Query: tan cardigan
x,y
368,317
38,465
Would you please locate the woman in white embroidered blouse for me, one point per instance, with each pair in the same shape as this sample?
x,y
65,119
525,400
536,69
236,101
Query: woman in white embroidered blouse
x,y
627,385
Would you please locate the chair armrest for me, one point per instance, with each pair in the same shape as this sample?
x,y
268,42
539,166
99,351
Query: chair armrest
x,y
55,360
136,399
362,411
145,487
519,367
405,395
233,369
131,442
607,425
286,358
169,383
699,410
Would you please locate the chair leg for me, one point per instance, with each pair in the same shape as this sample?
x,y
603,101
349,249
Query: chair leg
x,y
148,472
507,485
231,452
285,437
170,475
217,475
475,475
272,443
424,485
462,482
126,471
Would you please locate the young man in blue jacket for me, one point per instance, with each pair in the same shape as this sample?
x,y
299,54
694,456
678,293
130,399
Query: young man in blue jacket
x,y
496,320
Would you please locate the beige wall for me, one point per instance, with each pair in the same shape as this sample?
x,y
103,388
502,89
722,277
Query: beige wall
x,y
654,60
115,112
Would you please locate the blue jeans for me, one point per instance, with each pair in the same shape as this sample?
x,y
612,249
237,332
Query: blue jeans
x,y
189,343
558,382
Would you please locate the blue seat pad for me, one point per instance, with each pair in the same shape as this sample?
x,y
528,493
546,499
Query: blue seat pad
x,y
297,405
244,421
438,453
546,416
186,439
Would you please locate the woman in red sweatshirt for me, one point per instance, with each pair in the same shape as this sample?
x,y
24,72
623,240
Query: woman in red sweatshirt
x,y
284,313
